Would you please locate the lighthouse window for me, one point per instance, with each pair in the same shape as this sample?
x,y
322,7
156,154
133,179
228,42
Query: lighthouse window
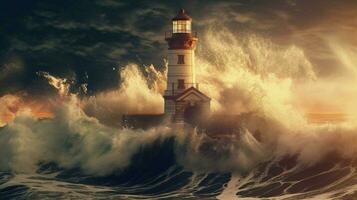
x,y
181,84
181,26
180,59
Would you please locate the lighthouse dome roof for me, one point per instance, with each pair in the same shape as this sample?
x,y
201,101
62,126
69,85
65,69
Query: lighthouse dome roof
x,y
181,15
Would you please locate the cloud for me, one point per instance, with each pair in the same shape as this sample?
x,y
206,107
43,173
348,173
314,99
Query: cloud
x,y
59,37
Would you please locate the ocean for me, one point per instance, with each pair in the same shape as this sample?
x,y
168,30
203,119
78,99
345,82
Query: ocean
x,y
173,166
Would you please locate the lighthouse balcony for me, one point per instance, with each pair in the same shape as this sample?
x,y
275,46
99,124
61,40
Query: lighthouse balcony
x,y
170,34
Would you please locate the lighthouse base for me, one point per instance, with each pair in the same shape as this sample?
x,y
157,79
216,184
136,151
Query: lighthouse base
x,y
191,106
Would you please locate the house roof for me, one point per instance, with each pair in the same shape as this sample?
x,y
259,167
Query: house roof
x,y
191,91
182,15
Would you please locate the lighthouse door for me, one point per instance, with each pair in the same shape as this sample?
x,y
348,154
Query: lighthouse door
x,y
193,114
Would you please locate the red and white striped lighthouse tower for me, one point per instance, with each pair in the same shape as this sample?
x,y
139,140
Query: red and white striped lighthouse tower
x,y
183,100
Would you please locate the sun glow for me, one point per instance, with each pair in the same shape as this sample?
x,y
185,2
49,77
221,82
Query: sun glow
x,y
12,105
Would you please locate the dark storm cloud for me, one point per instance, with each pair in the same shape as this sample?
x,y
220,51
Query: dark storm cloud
x,y
81,37
89,37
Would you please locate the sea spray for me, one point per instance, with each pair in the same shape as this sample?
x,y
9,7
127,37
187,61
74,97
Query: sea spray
x,y
242,78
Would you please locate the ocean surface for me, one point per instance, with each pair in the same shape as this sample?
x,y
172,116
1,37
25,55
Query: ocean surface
x,y
155,173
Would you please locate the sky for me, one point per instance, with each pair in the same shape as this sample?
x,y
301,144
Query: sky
x,y
88,41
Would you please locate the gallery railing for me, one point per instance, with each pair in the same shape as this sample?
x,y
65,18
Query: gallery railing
x,y
170,34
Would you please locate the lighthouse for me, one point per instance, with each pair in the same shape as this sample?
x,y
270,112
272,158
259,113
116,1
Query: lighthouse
x,y
184,102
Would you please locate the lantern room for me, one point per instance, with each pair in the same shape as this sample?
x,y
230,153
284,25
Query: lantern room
x,y
181,23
